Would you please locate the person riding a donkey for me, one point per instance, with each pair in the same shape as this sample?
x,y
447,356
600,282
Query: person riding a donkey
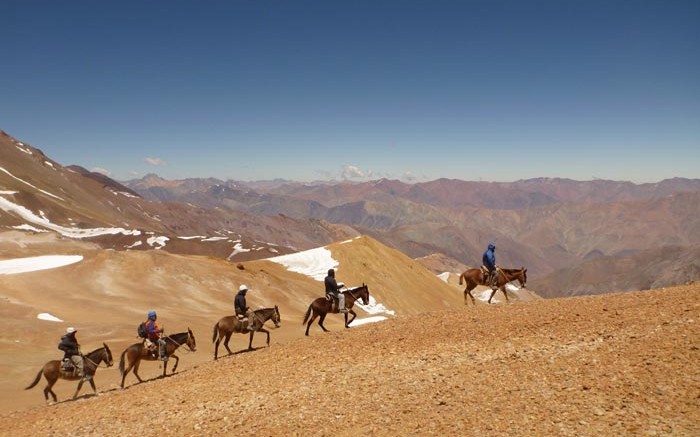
x,y
243,312
154,341
72,358
489,264
333,291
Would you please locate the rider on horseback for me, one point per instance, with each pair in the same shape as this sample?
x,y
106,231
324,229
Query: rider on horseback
x,y
333,291
243,312
489,263
71,352
154,340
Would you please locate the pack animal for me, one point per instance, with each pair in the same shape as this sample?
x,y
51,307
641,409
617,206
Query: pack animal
x,y
138,352
476,276
226,326
53,371
322,306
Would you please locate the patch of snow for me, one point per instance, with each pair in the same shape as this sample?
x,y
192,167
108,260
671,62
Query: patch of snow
x,y
375,307
27,151
160,241
127,194
238,248
366,320
215,239
136,244
313,262
67,232
444,276
25,182
192,237
26,227
9,192
35,263
48,317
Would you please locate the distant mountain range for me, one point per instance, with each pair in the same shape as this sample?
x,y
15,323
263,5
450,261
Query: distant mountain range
x,y
575,237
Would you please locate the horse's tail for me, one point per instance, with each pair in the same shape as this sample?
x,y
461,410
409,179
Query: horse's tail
x,y
216,332
121,362
460,278
306,316
36,380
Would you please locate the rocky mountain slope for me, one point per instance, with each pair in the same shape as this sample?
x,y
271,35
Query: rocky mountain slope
x,y
618,364
551,226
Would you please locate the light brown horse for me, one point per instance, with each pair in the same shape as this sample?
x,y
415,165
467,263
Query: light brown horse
x,y
322,306
474,277
53,371
138,352
226,326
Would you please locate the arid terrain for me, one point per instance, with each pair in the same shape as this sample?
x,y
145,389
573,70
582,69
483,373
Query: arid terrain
x,y
618,364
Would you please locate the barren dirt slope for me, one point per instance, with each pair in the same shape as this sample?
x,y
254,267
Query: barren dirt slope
x,y
619,364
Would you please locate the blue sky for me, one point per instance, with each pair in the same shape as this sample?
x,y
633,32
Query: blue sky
x,y
307,90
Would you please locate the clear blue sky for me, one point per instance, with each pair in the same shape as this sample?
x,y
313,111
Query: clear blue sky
x,y
306,90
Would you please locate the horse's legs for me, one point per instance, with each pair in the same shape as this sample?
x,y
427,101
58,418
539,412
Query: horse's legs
x,y
492,294
503,289
92,384
216,348
347,324
321,318
266,332
80,385
311,320
228,337
250,343
136,369
133,364
177,361
48,390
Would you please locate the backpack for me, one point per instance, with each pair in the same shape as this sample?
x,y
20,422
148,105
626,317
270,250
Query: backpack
x,y
141,330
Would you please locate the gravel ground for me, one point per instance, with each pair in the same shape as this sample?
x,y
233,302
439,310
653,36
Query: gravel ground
x,y
618,364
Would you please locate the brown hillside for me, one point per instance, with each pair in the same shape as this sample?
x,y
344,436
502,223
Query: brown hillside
x,y
109,292
619,364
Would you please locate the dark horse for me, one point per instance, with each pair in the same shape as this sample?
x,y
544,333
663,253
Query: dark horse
x,y
52,371
138,351
230,324
323,306
474,277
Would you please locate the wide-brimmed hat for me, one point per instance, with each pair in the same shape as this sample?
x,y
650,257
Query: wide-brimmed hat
x,y
243,288
71,330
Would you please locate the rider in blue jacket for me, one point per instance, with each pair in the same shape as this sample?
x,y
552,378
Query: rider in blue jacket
x,y
489,261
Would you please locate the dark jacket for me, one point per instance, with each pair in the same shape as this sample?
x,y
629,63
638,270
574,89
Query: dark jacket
x,y
69,345
331,285
239,303
489,258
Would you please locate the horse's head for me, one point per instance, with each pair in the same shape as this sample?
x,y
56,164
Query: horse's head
x,y
107,356
522,277
363,292
191,343
276,318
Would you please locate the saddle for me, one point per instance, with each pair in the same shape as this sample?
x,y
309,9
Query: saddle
x,y
68,368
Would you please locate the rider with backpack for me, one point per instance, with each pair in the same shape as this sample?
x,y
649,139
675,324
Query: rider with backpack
x,y
153,335
71,352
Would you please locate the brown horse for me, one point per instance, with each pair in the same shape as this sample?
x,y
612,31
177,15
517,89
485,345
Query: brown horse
x,y
323,306
474,277
138,351
230,324
53,371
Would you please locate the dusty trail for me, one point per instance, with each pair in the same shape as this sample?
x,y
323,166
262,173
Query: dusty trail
x,y
620,364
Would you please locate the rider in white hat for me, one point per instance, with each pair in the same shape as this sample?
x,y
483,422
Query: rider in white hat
x,y
71,352
243,312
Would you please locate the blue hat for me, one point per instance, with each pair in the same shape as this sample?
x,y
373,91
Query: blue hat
x,y
151,314
492,246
